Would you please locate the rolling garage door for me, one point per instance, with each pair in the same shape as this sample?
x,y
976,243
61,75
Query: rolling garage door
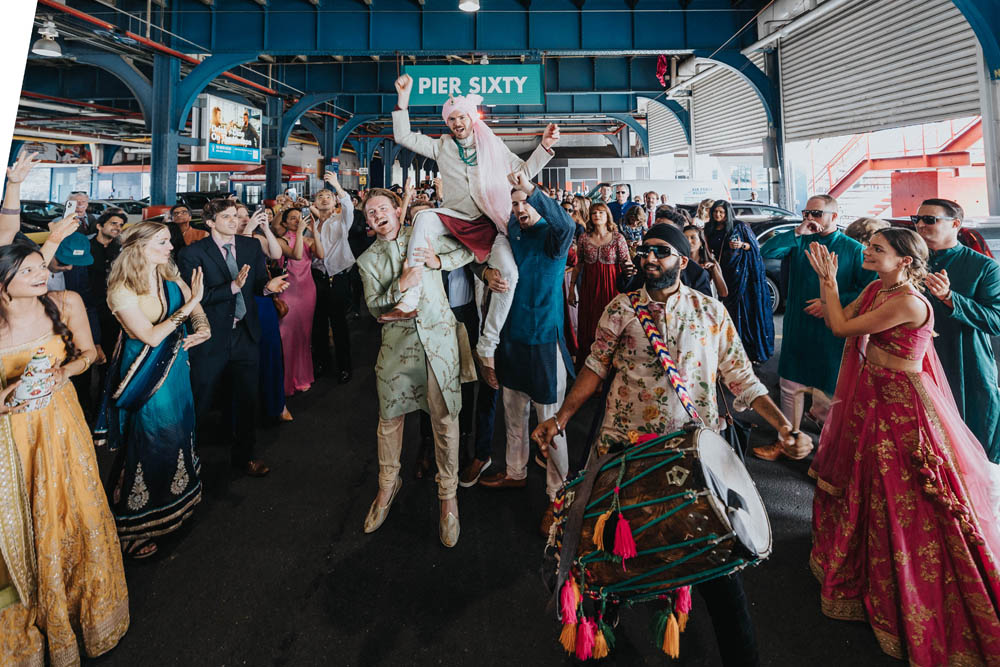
x,y
728,114
666,136
876,64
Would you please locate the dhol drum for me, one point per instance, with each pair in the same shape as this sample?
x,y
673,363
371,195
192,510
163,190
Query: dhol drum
x,y
664,513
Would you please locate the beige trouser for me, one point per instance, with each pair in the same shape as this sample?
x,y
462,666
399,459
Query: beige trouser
x,y
446,435
793,402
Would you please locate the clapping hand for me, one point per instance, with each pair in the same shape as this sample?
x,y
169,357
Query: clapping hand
x,y
241,277
198,285
278,284
939,284
824,263
25,163
196,338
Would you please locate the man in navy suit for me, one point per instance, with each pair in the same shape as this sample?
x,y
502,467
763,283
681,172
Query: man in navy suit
x,y
234,270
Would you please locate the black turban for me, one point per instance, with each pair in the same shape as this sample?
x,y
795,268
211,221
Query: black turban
x,y
672,235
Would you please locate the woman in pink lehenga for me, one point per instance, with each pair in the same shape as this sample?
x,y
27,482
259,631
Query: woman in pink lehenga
x,y
905,530
296,326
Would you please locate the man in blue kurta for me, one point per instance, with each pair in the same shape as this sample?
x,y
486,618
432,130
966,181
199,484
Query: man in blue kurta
x,y
810,353
966,289
532,359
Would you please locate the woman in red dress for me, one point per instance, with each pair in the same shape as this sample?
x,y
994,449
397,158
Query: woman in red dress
x,y
905,529
601,254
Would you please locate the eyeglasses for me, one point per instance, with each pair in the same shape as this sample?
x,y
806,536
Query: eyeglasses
x,y
659,251
814,213
928,219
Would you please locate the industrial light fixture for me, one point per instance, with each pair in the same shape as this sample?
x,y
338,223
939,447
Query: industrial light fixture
x,y
47,45
484,60
469,5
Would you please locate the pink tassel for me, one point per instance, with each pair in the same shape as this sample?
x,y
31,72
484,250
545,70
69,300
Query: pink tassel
x,y
624,543
567,601
683,605
585,639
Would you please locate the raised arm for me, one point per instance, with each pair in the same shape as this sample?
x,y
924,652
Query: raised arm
x,y
401,132
10,214
540,156
780,245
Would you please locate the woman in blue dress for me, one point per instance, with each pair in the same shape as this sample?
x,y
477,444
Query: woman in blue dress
x,y
147,414
749,301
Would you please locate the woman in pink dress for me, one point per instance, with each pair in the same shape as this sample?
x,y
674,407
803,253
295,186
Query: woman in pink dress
x,y
601,254
296,326
905,531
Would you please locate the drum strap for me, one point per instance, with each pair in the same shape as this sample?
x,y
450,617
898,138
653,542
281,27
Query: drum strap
x,y
660,348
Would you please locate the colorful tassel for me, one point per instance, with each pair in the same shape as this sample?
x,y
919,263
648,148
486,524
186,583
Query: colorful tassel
x,y
568,637
660,627
600,646
624,542
585,639
672,638
599,530
606,632
569,598
683,606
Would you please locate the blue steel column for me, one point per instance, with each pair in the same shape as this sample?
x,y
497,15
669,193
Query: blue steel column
x,y
774,144
388,158
163,163
272,148
329,140
15,148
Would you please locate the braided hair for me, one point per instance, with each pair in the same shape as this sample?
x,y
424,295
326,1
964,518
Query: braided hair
x,y
11,258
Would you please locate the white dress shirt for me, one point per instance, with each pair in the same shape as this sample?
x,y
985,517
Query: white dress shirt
x,y
333,236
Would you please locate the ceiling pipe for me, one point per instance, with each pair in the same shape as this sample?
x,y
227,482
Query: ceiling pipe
x,y
22,132
66,100
83,16
80,114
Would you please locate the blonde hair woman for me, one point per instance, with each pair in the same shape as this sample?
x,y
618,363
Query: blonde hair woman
x,y
701,215
147,415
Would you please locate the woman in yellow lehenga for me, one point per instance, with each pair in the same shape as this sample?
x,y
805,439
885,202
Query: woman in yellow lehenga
x,y
62,567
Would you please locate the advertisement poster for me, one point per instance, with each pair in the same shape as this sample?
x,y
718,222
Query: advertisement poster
x,y
230,131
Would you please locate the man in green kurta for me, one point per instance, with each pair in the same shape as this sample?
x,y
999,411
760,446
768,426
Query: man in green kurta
x,y
966,289
810,353
419,362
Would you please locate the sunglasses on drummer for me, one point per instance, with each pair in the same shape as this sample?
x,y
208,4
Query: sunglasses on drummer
x,y
659,251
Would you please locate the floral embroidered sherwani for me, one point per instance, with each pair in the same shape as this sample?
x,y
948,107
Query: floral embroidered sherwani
x,y
702,341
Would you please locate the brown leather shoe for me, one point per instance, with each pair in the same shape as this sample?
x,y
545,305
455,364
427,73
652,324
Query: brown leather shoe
x,y
502,481
548,518
396,315
771,452
472,472
256,469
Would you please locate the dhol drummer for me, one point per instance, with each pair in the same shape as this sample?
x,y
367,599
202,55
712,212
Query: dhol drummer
x,y
703,342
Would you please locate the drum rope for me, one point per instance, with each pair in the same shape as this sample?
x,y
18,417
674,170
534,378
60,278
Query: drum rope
x,y
680,581
597,555
622,484
660,348
654,501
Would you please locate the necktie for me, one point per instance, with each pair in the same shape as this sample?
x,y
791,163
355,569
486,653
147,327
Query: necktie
x,y
241,307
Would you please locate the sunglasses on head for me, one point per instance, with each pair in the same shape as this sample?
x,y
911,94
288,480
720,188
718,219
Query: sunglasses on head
x,y
813,213
928,219
659,251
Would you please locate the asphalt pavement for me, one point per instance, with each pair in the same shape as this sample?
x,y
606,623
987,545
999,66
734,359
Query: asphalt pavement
x,y
277,571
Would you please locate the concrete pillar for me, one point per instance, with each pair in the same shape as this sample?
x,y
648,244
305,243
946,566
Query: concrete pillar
x,y
989,91
164,144
693,144
271,149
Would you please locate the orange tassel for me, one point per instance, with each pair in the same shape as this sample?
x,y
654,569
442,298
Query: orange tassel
x,y
599,530
568,637
672,638
682,621
600,646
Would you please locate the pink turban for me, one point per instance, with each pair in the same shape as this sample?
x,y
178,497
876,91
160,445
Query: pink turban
x,y
491,158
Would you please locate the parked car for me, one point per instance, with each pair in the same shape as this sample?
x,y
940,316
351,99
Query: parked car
x,y
775,270
195,201
755,211
36,214
132,208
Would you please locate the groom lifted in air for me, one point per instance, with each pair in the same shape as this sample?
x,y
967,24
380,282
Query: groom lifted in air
x,y
475,168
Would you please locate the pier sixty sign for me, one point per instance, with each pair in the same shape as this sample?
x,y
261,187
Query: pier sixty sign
x,y
498,84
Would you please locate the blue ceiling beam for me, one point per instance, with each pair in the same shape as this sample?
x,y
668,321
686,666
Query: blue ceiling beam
x,y
984,17
197,80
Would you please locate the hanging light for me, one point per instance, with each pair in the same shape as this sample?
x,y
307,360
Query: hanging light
x,y
484,60
469,5
47,45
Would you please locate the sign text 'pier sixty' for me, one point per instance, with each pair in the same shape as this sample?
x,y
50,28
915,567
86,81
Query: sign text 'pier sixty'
x,y
498,84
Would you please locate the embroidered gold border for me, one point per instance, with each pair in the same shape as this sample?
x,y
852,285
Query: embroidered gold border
x,y
825,485
17,539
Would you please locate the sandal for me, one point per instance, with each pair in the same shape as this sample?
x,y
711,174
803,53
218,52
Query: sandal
x,y
140,549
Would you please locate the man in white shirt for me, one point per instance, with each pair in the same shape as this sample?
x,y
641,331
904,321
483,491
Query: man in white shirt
x,y
332,277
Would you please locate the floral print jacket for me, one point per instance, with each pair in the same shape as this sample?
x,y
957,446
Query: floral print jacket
x,y
703,343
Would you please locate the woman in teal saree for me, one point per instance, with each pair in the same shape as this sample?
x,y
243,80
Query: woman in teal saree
x,y
147,414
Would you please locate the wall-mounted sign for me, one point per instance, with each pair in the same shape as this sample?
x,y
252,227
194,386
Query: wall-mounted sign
x,y
229,131
498,84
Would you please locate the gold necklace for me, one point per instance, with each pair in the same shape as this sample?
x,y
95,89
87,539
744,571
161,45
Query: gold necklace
x,y
893,288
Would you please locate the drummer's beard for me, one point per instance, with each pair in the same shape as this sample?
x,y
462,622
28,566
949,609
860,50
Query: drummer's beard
x,y
665,278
